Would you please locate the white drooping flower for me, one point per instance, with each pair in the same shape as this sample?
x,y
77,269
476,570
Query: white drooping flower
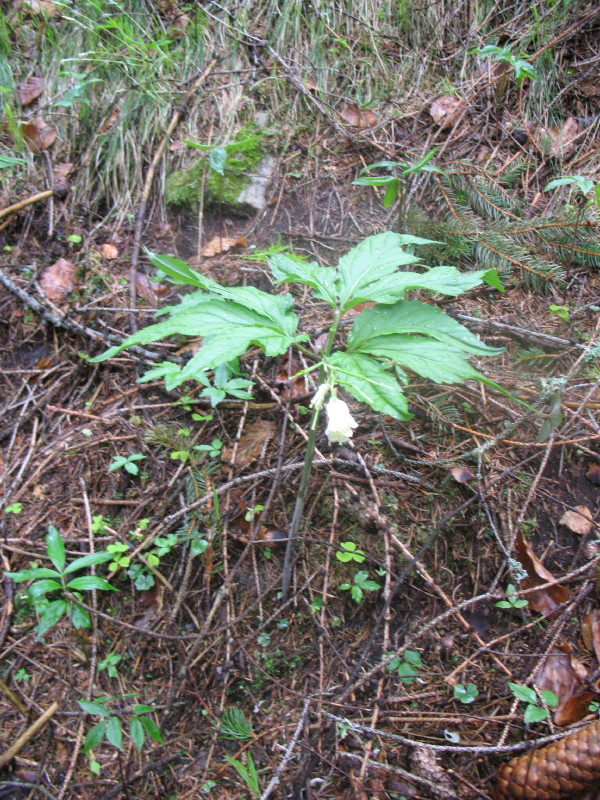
x,y
340,422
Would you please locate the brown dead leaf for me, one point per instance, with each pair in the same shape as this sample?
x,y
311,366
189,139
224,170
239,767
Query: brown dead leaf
x,y
546,600
60,178
574,708
149,289
590,632
108,251
559,142
563,674
222,244
44,7
462,474
593,474
39,134
58,280
579,520
110,120
252,444
296,387
30,89
351,114
445,110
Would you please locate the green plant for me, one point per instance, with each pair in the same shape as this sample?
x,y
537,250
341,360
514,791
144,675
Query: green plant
x,y
394,335
400,170
533,711
585,186
594,707
247,773
562,312
111,728
14,508
252,512
234,725
349,552
45,581
360,584
406,666
110,664
22,675
512,599
128,463
213,449
522,69
466,694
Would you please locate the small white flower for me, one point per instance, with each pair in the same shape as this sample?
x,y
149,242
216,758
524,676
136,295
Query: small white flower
x,y
340,422
320,395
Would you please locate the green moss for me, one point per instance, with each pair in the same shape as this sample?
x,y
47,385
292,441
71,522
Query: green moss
x,y
183,187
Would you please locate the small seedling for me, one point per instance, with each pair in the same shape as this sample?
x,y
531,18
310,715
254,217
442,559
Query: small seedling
x,y
594,707
127,463
213,449
533,711
562,312
466,694
512,599
99,524
406,666
247,773
523,69
252,512
14,508
119,560
234,725
350,552
47,580
360,585
22,675
111,729
110,664
399,170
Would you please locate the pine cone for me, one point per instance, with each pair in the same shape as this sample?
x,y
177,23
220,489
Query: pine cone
x,y
562,769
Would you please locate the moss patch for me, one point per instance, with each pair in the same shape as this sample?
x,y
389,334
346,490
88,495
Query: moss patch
x,y
183,187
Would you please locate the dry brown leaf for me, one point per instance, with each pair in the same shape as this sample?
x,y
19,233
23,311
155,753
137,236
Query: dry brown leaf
x,y
110,120
60,178
574,709
30,89
579,521
546,600
462,474
39,134
222,244
147,288
58,280
252,444
445,110
590,632
563,674
593,474
108,251
44,7
291,388
559,142
359,117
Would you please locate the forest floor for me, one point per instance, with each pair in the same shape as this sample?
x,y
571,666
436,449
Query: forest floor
x,y
477,520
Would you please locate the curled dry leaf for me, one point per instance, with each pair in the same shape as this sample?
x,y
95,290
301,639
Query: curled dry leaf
x,y
110,120
593,474
559,141
108,251
462,474
58,280
560,672
445,110
149,289
547,600
222,244
359,117
590,632
296,387
579,521
252,444
39,134
30,89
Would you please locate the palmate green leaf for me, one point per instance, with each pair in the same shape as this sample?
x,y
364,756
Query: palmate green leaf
x,y
366,380
320,279
218,318
373,259
435,360
55,547
413,317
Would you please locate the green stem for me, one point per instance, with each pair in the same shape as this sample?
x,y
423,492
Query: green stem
x,y
306,471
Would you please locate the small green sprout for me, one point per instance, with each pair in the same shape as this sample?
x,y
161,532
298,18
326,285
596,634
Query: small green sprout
x,y
466,694
213,449
360,585
350,552
407,666
512,599
533,711
14,508
127,463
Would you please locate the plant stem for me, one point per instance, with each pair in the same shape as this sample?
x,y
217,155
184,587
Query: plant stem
x,y
306,470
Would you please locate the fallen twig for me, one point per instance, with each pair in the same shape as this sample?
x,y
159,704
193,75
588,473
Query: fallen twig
x,y
31,731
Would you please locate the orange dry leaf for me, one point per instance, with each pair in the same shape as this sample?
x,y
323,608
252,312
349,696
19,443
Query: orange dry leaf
x,y
108,251
222,244
58,280
252,444
563,674
358,117
590,632
30,89
110,120
579,521
296,387
147,288
545,600
593,474
38,134
445,110
462,474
